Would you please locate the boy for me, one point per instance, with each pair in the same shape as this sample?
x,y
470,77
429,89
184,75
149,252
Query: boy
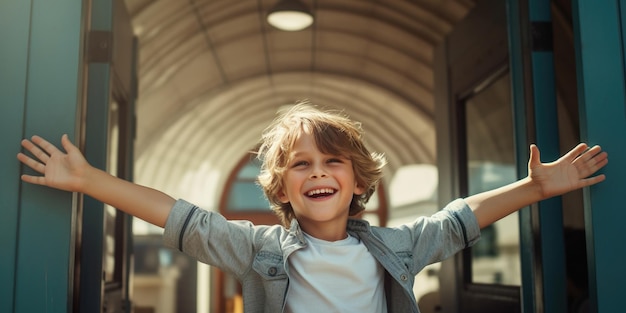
x,y
316,173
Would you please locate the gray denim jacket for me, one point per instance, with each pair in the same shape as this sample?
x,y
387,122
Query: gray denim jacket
x,y
257,255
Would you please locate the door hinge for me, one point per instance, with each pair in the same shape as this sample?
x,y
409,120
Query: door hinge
x,y
100,46
541,33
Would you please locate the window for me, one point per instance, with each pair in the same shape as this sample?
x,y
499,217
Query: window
x,y
244,192
490,154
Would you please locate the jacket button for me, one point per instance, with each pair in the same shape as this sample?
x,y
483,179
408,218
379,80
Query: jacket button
x,y
403,277
272,271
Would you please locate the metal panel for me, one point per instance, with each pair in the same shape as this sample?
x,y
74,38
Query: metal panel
x,y
14,29
98,96
45,243
518,54
602,98
97,102
541,226
112,46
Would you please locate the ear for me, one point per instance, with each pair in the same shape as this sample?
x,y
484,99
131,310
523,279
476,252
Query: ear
x,y
283,197
358,190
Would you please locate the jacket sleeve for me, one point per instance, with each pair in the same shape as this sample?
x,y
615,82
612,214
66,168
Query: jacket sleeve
x,y
443,234
210,238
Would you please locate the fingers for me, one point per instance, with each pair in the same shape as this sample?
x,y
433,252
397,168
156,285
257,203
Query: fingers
x,y
591,161
41,150
36,144
35,165
592,180
593,155
38,180
35,150
597,162
48,147
596,156
576,152
30,162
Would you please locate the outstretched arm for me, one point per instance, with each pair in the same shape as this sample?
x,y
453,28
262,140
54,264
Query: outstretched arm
x,y
71,172
572,171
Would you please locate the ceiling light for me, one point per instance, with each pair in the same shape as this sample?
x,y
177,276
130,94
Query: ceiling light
x,y
290,15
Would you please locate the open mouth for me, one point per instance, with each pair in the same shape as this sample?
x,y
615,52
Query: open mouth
x,y
320,193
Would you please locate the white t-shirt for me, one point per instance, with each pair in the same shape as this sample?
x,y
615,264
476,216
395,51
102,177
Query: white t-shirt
x,y
339,276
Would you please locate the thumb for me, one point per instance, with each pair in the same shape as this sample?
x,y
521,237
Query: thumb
x,y
535,158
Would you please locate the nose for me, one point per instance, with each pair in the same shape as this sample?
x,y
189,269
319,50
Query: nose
x,y
317,172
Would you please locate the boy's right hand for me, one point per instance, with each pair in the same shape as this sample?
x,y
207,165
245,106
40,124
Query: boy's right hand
x,y
60,170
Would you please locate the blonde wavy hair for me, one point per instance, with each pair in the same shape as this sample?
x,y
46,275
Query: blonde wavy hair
x,y
335,133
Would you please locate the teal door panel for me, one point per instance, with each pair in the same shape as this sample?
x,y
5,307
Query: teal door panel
x,y
533,82
96,135
41,83
14,29
599,42
105,286
622,18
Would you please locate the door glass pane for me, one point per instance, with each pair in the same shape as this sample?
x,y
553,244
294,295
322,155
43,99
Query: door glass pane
x,y
491,164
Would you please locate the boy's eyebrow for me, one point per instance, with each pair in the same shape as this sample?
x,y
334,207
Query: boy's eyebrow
x,y
300,154
296,154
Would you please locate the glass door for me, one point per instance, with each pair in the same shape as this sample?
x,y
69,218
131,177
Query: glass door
x,y
476,152
490,163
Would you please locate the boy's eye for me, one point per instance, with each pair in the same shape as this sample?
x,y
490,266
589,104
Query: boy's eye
x,y
335,160
299,163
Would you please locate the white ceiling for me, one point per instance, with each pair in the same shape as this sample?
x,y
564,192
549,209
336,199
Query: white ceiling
x,y
213,73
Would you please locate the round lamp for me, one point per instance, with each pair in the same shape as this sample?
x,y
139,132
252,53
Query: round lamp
x,y
290,15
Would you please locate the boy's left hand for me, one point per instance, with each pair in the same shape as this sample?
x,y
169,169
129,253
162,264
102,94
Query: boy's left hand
x,y
571,171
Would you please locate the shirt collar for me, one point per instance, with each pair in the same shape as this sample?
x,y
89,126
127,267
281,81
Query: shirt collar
x,y
354,225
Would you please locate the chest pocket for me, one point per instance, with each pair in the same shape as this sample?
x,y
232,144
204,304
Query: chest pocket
x,y
269,266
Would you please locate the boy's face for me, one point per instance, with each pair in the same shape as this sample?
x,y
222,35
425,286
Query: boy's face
x,y
319,186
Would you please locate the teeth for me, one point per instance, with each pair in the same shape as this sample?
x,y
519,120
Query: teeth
x,y
318,191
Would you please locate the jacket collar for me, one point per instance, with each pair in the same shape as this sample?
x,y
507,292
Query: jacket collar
x,y
358,225
294,230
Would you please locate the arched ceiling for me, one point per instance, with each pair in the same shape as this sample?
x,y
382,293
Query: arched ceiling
x,y
212,75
